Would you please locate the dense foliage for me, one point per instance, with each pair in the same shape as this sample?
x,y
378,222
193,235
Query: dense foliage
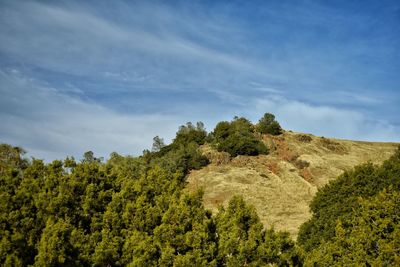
x,y
268,125
126,211
183,153
356,218
237,138
372,237
243,242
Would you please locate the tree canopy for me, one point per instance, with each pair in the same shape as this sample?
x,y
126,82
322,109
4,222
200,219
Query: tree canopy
x,y
237,138
268,125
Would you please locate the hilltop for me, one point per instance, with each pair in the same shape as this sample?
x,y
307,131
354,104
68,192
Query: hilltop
x,y
282,184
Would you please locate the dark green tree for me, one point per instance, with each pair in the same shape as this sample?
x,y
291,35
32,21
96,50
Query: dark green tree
x,y
372,240
239,234
55,248
158,143
189,133
268,125
237,138
186,235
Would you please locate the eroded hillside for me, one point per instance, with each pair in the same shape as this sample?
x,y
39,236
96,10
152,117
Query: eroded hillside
x,y
281,185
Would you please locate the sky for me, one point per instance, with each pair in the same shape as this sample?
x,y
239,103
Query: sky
x,y
110,75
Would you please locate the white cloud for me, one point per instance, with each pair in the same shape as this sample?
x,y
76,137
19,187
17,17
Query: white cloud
x,y
52,125
62,38
327,121
263,88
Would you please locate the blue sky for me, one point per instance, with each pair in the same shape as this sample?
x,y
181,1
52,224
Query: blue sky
x,y
110,75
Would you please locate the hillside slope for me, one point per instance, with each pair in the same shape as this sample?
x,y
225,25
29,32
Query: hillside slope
x,y
281,185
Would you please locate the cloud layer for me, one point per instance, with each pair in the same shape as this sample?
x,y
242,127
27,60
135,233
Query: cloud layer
x,y
328,121
53,125
109,76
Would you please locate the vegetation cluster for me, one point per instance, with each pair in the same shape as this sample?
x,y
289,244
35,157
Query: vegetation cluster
x,y
132,211
126,211
238,137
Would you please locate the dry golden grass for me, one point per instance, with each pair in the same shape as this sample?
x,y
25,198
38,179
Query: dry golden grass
x,y
282,184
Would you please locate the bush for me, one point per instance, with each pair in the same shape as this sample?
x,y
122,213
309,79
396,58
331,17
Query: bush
x,y
237,138
304,138
301,164
268,125
237,144
183,153
190,133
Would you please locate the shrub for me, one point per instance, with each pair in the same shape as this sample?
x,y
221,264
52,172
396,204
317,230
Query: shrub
x,y
304,138
183,153
237,138
301,164
268,125
190,133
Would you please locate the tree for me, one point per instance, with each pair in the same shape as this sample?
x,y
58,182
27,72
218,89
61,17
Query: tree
x,y
239,234
19,225
189,133
372,240
12,157
88,157
139,250
268,125
186,235
55,248
237,138
158,143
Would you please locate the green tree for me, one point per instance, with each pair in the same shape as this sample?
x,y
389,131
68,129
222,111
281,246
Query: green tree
x,y
237,138
372,240
186,234
239,234
88,156
243,242
268,125
140,250
189,133
55,248
158,143
19,225
183,153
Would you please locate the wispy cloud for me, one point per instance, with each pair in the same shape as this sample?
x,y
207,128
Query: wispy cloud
x,y
327,120
96,41
50,124
266,89
160,64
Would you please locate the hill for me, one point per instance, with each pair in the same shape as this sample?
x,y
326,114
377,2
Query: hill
x,y
282,184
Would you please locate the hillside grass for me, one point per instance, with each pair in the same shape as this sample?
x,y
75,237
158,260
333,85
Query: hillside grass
x,y
282,184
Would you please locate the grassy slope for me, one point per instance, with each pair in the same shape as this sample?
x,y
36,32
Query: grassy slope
x,y
281,185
